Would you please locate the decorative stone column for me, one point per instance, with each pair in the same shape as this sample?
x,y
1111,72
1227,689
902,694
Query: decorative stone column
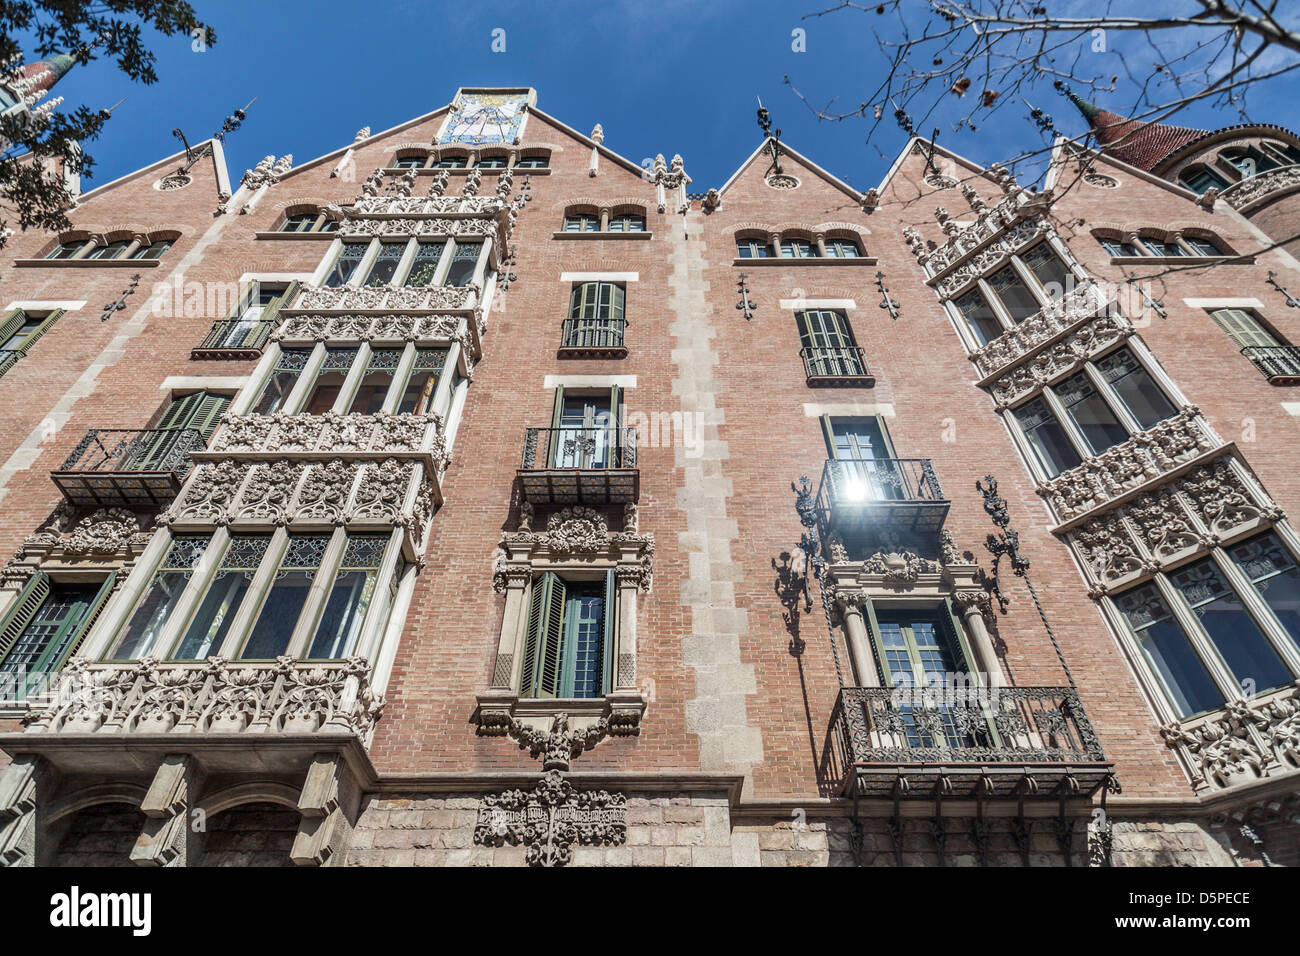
x,y
859,641
973,606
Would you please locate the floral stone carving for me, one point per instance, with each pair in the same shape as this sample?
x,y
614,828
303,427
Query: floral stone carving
x,y
551,818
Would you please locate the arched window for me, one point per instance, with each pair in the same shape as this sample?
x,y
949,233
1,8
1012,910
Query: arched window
x,y
534,161
627,222
841,248
753,247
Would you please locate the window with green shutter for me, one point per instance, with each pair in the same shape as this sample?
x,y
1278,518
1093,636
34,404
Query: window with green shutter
x,y
43,628
198,411
19,331
568,645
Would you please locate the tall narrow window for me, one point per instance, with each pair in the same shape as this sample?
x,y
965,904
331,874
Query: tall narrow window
x,y
425,264
350,597
1144,399
829,349
283,378
867,470
160,600
1019,302
595,316
226,591
44,639
417,396
345,266
1231,629
464,260
1049,441
583,439
373,388
385,265
285,599
1100,428
329,381
1053,274
569,637
980,317
918,650
1272,572
1168,650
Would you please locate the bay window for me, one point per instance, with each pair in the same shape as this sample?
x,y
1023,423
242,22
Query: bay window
x,y
413,262
225,593
1021,288
284,376
1225,626
351,595
161,598
285,598
421,383
1107,401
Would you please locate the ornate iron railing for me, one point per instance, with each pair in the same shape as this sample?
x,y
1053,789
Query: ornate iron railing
x,y
879,480
951,725
847,362
1277,362
236,335
147,449
594,335
136,468
593,448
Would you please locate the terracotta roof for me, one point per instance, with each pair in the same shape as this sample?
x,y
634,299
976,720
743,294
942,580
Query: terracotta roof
x,y
1135,142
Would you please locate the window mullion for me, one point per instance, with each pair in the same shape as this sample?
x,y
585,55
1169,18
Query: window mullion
x,y
995,303
1031,282
302,388
444,263
101,636
352,381
252,388
1112,399
364,266
375,623
404,263
401,377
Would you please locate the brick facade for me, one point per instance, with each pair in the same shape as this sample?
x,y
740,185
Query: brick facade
x,y
732,761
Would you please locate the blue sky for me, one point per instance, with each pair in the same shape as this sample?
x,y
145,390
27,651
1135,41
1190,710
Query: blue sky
x,y
663,76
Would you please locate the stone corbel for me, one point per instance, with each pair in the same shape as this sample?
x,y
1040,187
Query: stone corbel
x,y
168,837
330,800
20,784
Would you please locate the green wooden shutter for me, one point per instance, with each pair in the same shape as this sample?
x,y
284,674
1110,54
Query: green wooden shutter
x,y
44,327
607,655
1243,327
543,644
200,411
11,323
533,636
30,599
550,655
65,639
884,436
207,413
272,311
553,437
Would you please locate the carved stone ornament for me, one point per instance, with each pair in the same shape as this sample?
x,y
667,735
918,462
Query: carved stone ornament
x,y
1086,302
1191,512
897,567
961,267
213,696
550,819
577,530
1245,741
782,182
1248,191
173,182
1129,465
383,298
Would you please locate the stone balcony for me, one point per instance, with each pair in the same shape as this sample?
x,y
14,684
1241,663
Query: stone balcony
x,y
1085,302
189,698
385,298
1256,190
1131,467
398,206
303,435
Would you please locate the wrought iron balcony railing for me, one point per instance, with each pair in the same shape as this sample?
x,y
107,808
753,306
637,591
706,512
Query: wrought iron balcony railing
x,y
845,365
593,338
595,465
899,493
234,338
130,468
1008,741
1279,363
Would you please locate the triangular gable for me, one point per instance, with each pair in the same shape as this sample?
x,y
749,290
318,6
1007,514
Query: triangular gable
x,y
811,166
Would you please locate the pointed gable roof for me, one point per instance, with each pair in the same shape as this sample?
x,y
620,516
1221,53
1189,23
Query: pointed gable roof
x,y
1136,142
